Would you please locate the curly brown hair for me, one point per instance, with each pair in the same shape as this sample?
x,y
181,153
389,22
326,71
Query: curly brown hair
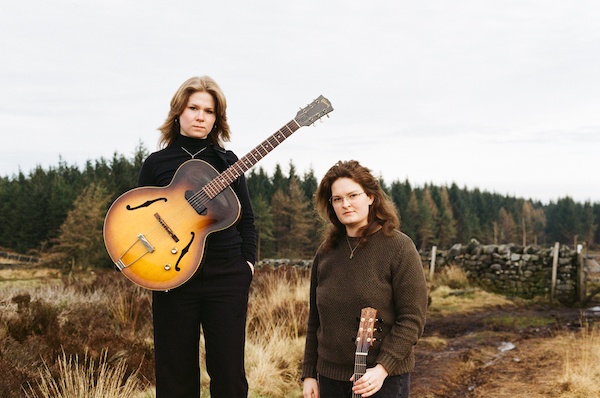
x,y
382,213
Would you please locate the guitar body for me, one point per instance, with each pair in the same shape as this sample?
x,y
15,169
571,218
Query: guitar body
x,y
156,236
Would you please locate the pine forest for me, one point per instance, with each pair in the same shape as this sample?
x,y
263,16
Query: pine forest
x,y
58,213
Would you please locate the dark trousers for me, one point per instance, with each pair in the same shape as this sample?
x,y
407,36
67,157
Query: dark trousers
x,y
216,300
393,387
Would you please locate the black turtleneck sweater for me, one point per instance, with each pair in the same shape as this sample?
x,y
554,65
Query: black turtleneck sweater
x,y
160,167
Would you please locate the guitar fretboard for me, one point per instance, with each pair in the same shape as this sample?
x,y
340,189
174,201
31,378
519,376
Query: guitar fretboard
x,y
244,164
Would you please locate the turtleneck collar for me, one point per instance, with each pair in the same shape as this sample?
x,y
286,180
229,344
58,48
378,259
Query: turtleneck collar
x,y
192,144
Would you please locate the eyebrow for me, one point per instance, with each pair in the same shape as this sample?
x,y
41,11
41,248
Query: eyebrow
x,y
200,106
349,193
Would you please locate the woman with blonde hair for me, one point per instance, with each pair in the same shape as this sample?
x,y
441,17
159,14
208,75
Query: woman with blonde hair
x,y
215,299
364,261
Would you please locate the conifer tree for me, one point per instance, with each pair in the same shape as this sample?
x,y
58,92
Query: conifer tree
x,y
263,219
527,225
80,242
309,184
410,221
400,194
428,214
563,221
280,182
588,224
291,221
259,184
447,223
539,226
507,228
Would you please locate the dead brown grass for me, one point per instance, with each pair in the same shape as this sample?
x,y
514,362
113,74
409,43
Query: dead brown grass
x,y
49,323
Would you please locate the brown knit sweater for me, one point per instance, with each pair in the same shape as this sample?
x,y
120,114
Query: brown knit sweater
x,y
386,273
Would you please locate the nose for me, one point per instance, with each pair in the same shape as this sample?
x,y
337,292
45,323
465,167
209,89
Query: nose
x,y
200,115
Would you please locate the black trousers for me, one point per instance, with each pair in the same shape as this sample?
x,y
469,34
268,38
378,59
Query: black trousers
x,y
393,387
216,300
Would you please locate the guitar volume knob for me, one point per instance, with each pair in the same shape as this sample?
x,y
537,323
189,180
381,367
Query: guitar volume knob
x,y
167,267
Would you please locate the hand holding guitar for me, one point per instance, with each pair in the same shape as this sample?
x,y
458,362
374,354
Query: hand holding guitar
x,y
366,381
370,382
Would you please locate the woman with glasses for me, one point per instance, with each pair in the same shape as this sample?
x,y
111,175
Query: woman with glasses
x,y
364,261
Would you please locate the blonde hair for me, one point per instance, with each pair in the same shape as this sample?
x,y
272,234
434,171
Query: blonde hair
x,y
170,128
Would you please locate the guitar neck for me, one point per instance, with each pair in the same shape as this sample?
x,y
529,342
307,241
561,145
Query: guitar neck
x,y
360,367
244,164
364,340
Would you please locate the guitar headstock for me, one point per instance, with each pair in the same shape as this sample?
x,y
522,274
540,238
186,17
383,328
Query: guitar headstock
x,y
366,328
314,111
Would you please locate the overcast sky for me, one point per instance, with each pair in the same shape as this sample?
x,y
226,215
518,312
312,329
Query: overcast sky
x,y
503,96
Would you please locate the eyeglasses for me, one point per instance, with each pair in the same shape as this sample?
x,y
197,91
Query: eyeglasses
x,y
339,200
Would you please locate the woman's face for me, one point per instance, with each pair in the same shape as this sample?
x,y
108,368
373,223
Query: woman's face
x,y
350,203
198,117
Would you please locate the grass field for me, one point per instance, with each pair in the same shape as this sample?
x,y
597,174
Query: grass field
x,y
90,335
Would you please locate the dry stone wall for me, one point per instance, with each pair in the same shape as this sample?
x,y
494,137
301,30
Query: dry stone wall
x,y
512,269
508,269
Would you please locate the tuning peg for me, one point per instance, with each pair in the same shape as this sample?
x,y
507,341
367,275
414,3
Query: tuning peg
x,y
353,338
380,320
379,329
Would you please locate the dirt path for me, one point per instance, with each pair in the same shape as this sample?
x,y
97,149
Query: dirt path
x,y
483,355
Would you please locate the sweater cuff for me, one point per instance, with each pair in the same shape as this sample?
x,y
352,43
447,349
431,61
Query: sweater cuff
x,y
308,371
388,362
394,366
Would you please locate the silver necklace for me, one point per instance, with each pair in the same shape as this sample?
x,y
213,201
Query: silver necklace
x,y
350,246
194,155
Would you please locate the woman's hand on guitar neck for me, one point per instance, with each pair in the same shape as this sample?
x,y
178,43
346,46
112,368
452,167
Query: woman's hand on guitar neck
x,y
370,382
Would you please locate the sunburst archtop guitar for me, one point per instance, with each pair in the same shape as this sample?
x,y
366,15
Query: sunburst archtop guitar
x,y
156,235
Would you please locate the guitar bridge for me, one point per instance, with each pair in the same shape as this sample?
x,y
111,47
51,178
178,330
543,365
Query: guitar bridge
x,y
162,222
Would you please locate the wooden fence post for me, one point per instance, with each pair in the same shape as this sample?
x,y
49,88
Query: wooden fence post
x,y
554,270
432,263
581,273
